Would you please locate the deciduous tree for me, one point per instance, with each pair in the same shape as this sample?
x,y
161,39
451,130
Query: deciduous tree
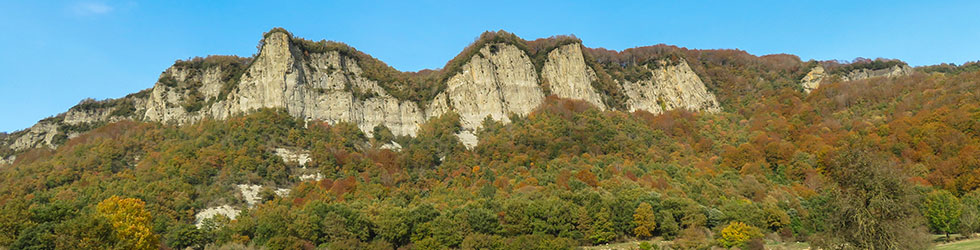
x,y
644,220
131,222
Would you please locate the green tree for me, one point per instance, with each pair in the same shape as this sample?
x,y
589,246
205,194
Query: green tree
x,y
482,241
602,228
185,235
873,205
970,217
644,220
668,224
37,237
392,225
943,211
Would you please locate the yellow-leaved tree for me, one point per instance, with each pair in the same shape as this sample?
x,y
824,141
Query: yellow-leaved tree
x,y
130,221
645,221
737,234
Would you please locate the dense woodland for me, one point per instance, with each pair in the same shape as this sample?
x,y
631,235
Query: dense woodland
x,y
869,164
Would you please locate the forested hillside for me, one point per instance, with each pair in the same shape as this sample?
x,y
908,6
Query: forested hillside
x,y
868,164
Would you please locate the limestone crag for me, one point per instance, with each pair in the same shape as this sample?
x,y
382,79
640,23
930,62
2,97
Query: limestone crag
x,y
8,160
497,81
41,134
671,86
167,101
568,76
299,157
861,74
817,75
812,79
208,213
321,87
86,115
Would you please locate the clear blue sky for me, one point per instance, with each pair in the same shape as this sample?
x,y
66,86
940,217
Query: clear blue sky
x,y
55,53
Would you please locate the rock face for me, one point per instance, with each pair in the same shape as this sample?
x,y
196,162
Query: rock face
x,y
497,81
817,74
165,100
211,212
250,193
8,160
568,76
41,134
671,86
812,79
298,157
893,71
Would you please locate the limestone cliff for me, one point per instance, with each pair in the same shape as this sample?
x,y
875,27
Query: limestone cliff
x,y
88,114
500,79
817,74
671,86
861,74
321,86
812,79
569,77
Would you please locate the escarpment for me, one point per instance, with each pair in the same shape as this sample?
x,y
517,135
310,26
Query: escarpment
x,y
861,74
853,72
671,86
498,81
568,76
812,79
331,84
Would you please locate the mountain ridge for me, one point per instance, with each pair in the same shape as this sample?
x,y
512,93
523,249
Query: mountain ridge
x,y
334,82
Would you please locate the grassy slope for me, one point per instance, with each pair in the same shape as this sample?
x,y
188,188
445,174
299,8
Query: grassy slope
x,y
966,244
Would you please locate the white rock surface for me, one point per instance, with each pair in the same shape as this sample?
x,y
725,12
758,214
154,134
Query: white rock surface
x,y
40,135
893,71
250,193
671,86
282,192
569,77
8,161
500,80
393,146
468,139
812,79
308,177
211,212
300,157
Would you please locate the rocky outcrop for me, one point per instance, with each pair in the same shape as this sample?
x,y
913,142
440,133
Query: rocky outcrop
x,y
299,157
817,75
671,86
168,101
812,79
497,81
211,212
568,76
323,86
861,74
87,115
8,160
40,135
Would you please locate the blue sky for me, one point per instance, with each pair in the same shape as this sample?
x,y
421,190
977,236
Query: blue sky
x,y
55,53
